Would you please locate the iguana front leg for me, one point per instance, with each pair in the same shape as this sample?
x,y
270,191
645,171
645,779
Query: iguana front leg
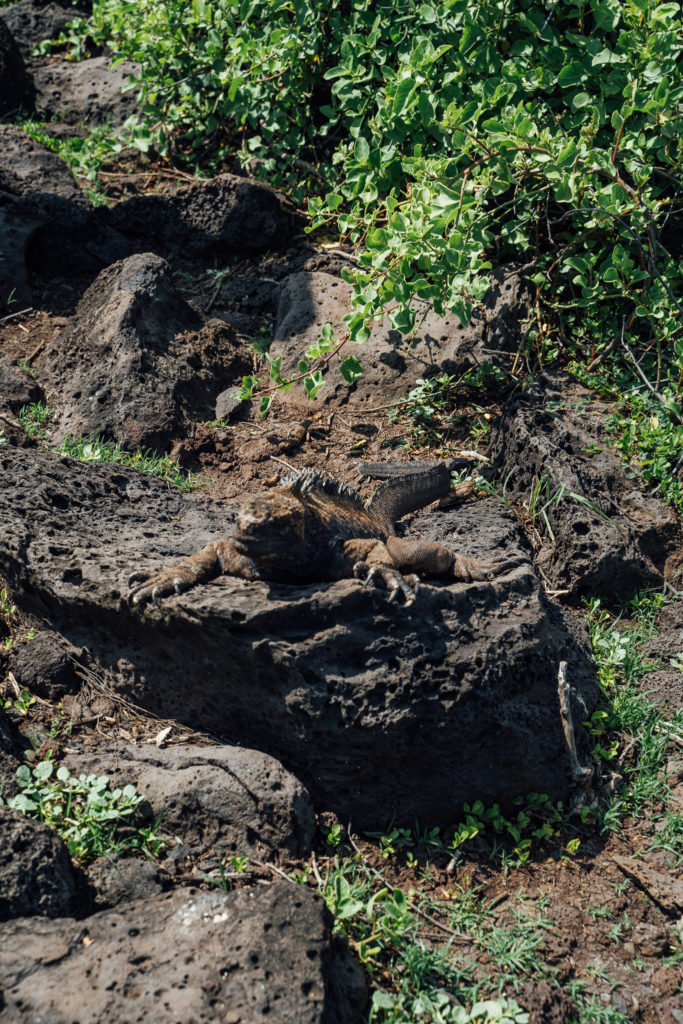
x,y
219,558
437,561
370,561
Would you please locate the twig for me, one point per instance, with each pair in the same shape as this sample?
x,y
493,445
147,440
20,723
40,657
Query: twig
x,y
581,777
292,469
316,872
670,732
271,867
37,350
625,345
12,315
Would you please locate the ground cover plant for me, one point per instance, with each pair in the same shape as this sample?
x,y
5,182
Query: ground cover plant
x,y
92,819
34,419
441,138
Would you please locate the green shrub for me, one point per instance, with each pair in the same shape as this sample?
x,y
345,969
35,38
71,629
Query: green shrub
x,y
443,137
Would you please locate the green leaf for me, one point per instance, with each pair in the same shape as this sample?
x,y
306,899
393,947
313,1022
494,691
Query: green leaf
x,y
581,100
427,13
313,383
265,405
404,96
361,150
351,369
571,74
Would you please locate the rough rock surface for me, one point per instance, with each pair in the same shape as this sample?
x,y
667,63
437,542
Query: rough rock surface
x,y
119,880
46,666
9,761
17,387
87,92
226,216
225,798
29,169
135,362
253,955
35,870
30,21
391,361
621,540
13,78
46,223
377,709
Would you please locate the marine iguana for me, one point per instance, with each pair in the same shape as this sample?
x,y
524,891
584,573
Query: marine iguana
x,y
312,527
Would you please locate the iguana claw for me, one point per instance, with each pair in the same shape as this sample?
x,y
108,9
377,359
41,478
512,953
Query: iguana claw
x,y
393,580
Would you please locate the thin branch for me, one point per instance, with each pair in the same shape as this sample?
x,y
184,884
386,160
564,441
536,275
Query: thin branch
x,y
11,316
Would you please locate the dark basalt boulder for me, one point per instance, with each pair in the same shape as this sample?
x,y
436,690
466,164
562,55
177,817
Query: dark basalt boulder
x,y
214,799
114,880
31,21
9,757
251,955
225,215
613,538
392,362
46,223
87,92
17,387
14,82
46,666
35,869
136,363
378,709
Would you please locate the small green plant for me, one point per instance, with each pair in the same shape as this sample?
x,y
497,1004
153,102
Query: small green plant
x,y
394,840
537,819
238,866
34,418
23,703
260,344
333,836
84,155
96,449
7,609
92,819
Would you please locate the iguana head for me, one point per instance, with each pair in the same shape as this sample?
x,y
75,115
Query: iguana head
x,y
271,532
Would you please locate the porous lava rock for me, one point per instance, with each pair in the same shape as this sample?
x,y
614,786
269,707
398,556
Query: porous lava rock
x,y
378,709
35,869
31,21
219,798
86,92
17,387
392,362
9,761
136,363
612,538
257,955
46,666
46,223
13,79
225,216
114,880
